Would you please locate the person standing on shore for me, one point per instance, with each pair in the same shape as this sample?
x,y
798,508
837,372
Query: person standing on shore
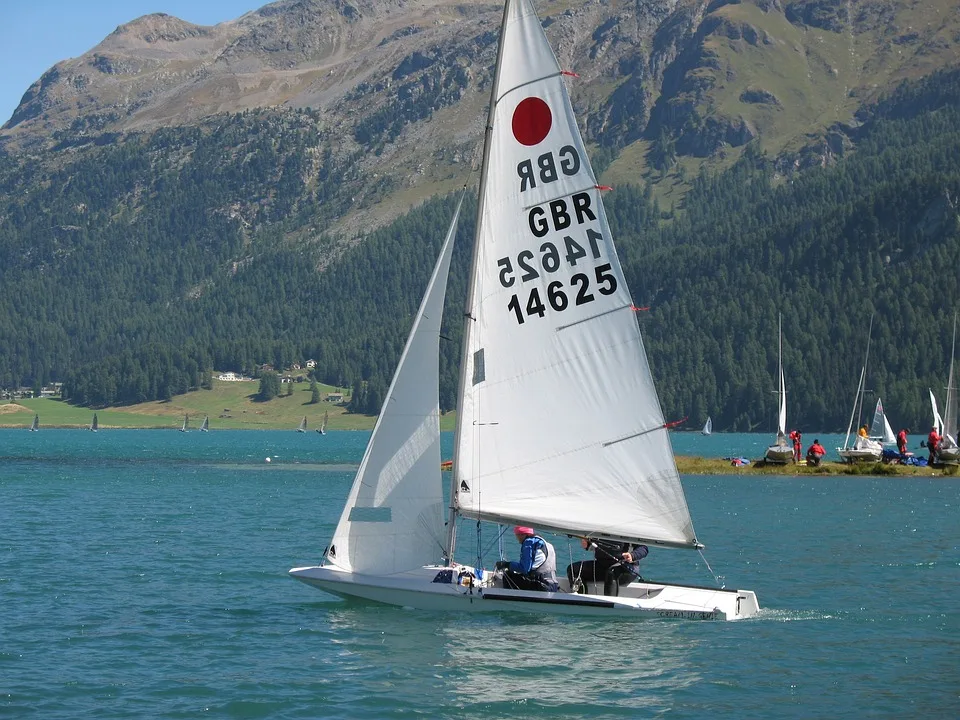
x,y
796,436
902,441
933,445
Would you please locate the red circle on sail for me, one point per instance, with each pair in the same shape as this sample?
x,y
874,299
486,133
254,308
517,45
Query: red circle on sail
x,y
532,121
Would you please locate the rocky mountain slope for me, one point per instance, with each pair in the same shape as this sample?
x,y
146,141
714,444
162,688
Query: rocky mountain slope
x,y
398,87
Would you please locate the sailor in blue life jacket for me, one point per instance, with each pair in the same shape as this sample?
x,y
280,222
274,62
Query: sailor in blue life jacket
x,y
537,567
615,563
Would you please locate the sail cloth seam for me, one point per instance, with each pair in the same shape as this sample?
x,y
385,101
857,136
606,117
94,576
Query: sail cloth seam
x,y
529,82
594,317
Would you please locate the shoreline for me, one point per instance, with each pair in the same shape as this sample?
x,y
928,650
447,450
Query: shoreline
x,y
694,465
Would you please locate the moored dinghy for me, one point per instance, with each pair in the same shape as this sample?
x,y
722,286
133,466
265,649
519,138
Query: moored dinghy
x,y
547,309
863,449
781,452
949,451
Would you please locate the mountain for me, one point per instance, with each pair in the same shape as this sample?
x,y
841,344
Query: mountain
x,y
182,197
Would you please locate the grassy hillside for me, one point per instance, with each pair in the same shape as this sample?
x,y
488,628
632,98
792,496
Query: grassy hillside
x,y
230,405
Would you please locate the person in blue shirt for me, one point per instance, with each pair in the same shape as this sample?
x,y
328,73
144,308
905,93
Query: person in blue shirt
x,y
537,567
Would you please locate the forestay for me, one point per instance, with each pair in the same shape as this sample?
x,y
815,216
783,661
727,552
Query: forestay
x,y
393,520
561,426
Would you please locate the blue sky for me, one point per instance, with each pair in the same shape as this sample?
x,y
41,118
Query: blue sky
x,y
37,34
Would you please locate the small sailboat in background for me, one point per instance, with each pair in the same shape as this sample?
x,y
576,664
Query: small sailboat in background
x,y
94,424
36,423
205,426
949,451
707,426
863,449
303,425
323,426
781,452
880,430
186,420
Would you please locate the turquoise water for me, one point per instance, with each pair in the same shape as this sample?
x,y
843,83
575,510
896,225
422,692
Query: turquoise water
x,y
143,575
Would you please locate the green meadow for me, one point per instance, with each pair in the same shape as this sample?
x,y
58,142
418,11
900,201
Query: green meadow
x,y
229,405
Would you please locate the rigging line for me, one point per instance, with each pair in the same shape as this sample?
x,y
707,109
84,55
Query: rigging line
x,y
716,578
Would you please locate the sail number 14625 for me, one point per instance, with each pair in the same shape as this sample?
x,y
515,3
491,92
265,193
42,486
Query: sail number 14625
x,y
558,294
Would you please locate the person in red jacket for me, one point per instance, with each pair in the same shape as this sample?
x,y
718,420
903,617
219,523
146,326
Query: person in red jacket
x,y
815,453
933,445
796,436
902,441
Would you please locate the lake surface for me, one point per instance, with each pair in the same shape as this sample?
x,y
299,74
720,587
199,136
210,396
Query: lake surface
x,y
143,575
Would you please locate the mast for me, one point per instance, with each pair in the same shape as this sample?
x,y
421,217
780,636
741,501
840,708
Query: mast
x,y
467,318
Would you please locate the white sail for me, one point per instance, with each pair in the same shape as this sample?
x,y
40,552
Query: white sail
x,y
781,451
186,421
323,426
880,427
951,407
303,425
782,414
707,426
36,423
205,426
551,334
393,518
937,420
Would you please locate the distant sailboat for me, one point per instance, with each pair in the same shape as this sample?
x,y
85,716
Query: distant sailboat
x,y
323,426
863,449
880,429
36,423
94,425
303,425
781,452
205,426
707,426
949,451
186,420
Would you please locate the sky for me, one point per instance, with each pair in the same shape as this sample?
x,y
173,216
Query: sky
x,y
37,34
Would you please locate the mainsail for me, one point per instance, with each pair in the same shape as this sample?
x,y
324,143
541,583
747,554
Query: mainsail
x,y
880,427
559,423
393,518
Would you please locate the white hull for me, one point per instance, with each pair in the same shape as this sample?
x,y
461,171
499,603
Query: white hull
x,y
852,455
779,454
949,456
642,599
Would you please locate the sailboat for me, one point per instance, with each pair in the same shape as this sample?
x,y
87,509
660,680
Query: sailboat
x,y
547,309
94,425
186,420
303,425
863,449
949,452
781,452
880,430
707,426
205,425
36,423
323,426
